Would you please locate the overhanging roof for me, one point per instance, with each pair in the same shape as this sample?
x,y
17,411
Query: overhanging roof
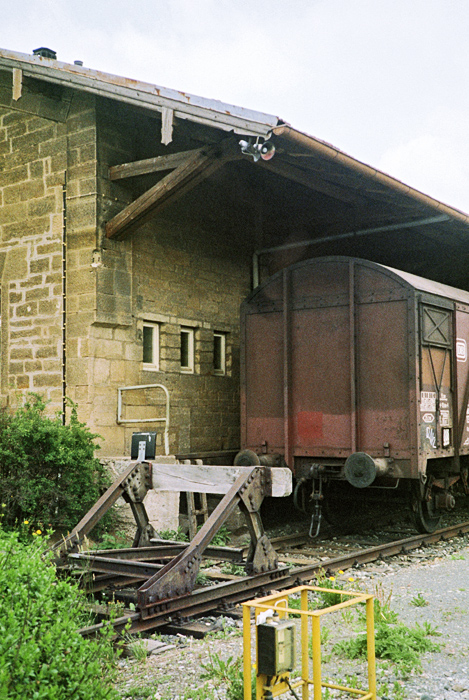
x,y
337,201
185,106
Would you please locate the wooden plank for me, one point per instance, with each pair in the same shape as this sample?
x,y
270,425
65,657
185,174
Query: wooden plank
x,y
17,83
167,120
181,180
151,165
204,478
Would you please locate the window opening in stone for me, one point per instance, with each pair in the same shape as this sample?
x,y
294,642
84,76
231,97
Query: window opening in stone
x,y
151,344
187,349
219,353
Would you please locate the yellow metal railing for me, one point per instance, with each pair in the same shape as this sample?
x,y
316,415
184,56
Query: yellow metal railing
x,y
268,687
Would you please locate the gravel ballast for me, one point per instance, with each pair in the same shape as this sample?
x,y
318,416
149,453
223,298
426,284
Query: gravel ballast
x,y
428,586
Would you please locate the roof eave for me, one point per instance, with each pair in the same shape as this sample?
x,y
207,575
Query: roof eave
x,y
185,106
334,154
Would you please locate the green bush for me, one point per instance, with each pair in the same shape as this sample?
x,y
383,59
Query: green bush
x,y
42,655
49,475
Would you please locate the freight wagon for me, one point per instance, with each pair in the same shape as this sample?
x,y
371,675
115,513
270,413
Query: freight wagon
x,y
356,376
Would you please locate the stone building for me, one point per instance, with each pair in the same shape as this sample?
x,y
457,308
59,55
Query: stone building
x,y
134,219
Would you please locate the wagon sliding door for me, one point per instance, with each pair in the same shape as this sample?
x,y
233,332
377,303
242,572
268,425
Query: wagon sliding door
x,y
321,392
436,397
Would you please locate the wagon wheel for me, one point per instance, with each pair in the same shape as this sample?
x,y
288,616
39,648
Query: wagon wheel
x,y
426,516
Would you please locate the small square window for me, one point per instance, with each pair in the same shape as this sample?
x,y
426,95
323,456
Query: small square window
x,y
151,345
187,349
219,353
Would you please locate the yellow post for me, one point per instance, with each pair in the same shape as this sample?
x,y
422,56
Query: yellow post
x,y
316,633
260,679
370,643
304,645
247,651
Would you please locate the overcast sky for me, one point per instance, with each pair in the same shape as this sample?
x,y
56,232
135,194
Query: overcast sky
x,y
384,80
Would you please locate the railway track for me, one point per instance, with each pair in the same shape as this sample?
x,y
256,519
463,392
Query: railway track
x,y
222,596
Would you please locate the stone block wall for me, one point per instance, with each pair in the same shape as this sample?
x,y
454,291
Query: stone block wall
x,y
188,267
33,162
48,234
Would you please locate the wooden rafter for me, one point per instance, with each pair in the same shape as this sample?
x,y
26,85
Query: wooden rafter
x,y
309,179
183,178
151,165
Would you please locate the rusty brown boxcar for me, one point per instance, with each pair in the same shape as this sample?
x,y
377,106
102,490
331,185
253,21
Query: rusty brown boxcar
x,y
356,375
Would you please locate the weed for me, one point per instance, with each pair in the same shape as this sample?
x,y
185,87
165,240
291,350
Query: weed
x,y
400,644
228,672
348,616
139,692
228,630
233,570
457,610
457,557
419,601
330,582
222,537
204,693
382,604
352,681
109,541
136,646
396,692
202,579
175,535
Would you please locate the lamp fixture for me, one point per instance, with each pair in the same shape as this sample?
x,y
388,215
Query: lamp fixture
x,y
257,150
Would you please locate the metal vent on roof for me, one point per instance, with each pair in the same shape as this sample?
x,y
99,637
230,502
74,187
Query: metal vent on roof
x,y
45,52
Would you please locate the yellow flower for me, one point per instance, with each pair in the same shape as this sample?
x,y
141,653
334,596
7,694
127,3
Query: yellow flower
x,y
25,522
351,579
340,571
38,532
331,578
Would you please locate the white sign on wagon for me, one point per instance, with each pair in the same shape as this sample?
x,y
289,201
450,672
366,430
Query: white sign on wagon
x,y
428,401
461,350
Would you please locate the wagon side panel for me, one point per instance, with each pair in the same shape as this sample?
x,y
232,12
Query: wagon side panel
x,y
461,354
383,379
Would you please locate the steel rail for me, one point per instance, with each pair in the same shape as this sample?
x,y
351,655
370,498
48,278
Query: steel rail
x,y
224,595
167,551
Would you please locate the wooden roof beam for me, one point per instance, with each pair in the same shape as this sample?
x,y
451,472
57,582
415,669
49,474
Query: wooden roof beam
x,y
310,180
151,165
185,177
